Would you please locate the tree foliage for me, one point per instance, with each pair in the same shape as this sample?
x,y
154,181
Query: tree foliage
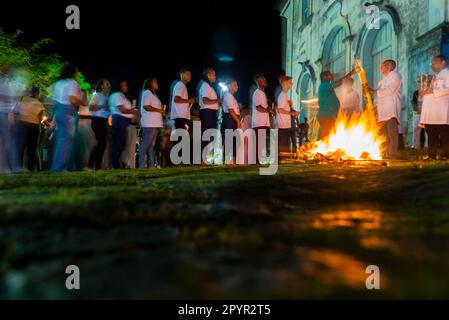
x,y
44,69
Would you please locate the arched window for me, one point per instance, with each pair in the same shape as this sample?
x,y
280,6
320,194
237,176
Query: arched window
x,y
378,47
335,53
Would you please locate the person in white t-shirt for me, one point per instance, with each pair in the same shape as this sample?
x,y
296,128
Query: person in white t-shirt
x,y
152,113
30,112
67,98
209,102
435,109
231,114
180,102
261,112
389,105
100,122
284,114
122,112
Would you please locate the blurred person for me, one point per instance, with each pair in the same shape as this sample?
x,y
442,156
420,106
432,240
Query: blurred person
x,y
67,98
99,106
245,124
30,113
349,98
152,112
389,105
419,132
122,112
4,125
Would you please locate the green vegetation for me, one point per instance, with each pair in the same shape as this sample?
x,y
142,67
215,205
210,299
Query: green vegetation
x,y
43,69
308,232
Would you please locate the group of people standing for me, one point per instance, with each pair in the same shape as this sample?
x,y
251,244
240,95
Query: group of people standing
x,y
434,106
113,111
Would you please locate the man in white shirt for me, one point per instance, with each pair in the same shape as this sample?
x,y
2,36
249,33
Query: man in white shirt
x,y
231,116
435,109
389,96
349,98
284,114
261,112
181,104
209,103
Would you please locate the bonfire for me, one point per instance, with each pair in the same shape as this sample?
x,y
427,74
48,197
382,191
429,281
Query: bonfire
x,y
353,138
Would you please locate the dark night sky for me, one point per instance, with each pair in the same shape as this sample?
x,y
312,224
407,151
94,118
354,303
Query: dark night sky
x,y
136,39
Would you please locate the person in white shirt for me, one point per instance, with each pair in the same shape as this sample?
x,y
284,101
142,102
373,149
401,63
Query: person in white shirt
x,y
231,113
349,98
284,114
180,103
100,115
122,112
435,109
67,98
261,111
389,96
152,112
30,112
209,103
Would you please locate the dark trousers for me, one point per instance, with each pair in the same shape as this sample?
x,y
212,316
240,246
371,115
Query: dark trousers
x,y
119,134
259,143
208,121
228,124
100,129
27,139
284,137
437,134
187,125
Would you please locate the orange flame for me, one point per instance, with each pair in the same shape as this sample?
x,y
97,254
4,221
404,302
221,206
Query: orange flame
x,y
354,137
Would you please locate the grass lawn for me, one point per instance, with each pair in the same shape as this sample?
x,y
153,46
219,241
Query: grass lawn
x,y
193,232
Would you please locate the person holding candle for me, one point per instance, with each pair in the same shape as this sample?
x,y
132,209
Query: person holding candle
x,y
100,115
285,112
435,109
389,105
152,112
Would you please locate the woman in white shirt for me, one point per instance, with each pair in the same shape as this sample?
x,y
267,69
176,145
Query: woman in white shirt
x,y
100,115
67,98
152,112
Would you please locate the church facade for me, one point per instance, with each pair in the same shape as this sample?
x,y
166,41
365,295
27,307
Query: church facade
x,y
321,35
